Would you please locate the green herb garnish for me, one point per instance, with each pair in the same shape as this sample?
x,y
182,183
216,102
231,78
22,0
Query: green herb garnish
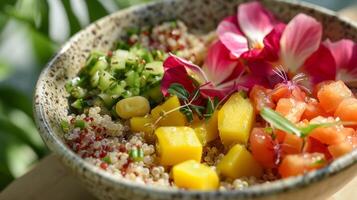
x,y
136,154
80,124
280,122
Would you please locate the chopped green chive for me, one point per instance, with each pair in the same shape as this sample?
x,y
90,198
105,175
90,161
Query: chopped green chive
x,y
80,124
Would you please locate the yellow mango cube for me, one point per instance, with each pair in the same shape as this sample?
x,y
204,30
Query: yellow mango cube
x,y
142,124
235,120
175,118
239,162
193,175
207,130
177,144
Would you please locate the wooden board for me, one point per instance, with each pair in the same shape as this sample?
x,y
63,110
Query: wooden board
x,y
51,180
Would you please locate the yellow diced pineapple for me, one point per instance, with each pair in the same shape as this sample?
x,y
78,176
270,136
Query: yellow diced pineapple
x,y
142,124
239,162
207,131
193,175
175,118
177,144
235,120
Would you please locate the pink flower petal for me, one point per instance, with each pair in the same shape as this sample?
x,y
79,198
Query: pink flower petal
x,y
320,66
230,35
345,55
176,74
272,43
194,70
255,22
301,37
218,65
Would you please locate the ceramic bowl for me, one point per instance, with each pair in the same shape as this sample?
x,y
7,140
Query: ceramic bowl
x,y
200,15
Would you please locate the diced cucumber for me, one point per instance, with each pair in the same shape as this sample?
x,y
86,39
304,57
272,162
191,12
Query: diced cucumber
x,y
100,65
72,83
116,89
78,104
155,67
118,59
127,94
94,80
109,100
155,94
78,92
93,57
105,80
132,79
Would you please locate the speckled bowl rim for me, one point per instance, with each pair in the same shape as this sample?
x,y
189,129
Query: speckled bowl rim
x,y
283,185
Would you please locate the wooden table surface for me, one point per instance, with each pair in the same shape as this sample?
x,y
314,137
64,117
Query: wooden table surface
x,y
50,180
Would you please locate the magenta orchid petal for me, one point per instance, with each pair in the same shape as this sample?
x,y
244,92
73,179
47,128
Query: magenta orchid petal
x,y
192,69
345,55
301,37
218,65
176,74
255,22
320,66
231,36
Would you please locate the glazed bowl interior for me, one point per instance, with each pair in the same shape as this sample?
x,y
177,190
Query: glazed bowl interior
x,y
200,16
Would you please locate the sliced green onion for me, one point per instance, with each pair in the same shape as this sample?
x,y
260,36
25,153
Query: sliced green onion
x,y
278,121
136,154
65,126
80,124
107,159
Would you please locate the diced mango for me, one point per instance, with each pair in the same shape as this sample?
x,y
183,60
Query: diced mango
x,y
175,118
142,124
193,175
235,120
239,162
207,130
177,144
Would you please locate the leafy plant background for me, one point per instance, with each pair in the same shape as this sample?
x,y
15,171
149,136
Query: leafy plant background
x,y
31,31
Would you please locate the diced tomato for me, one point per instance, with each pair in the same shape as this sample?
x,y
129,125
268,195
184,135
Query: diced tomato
x,y
291,109
328,135
313,109
313,145
294,165
291,144
298,94
259,96
331,95
262,147
345,146
347,110
338,150
283,90
279,135
319,86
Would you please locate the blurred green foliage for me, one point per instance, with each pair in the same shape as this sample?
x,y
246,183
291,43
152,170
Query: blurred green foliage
x,y
30,33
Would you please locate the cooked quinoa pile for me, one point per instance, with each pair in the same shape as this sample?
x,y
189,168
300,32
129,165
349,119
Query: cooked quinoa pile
x,y
110,146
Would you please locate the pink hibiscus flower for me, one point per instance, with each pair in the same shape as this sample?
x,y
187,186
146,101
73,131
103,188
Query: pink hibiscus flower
x,y
219,76
243,34
345,55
